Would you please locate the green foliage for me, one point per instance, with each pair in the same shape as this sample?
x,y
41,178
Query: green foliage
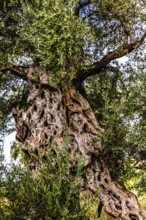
x,y
49,32
53,26
126,11
140,184
119,104
47,193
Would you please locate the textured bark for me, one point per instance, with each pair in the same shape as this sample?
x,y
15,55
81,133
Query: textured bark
x,y
50,115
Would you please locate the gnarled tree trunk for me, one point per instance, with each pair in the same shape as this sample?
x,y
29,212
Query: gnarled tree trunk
x,y
50,115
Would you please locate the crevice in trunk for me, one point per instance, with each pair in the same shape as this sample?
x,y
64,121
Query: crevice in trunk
x,y
99,210
51,114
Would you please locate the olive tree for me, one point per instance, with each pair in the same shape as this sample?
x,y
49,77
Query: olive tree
x,y
50,52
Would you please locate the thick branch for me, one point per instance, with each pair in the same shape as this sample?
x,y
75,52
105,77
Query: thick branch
x,y
19,71
113,69
112,55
